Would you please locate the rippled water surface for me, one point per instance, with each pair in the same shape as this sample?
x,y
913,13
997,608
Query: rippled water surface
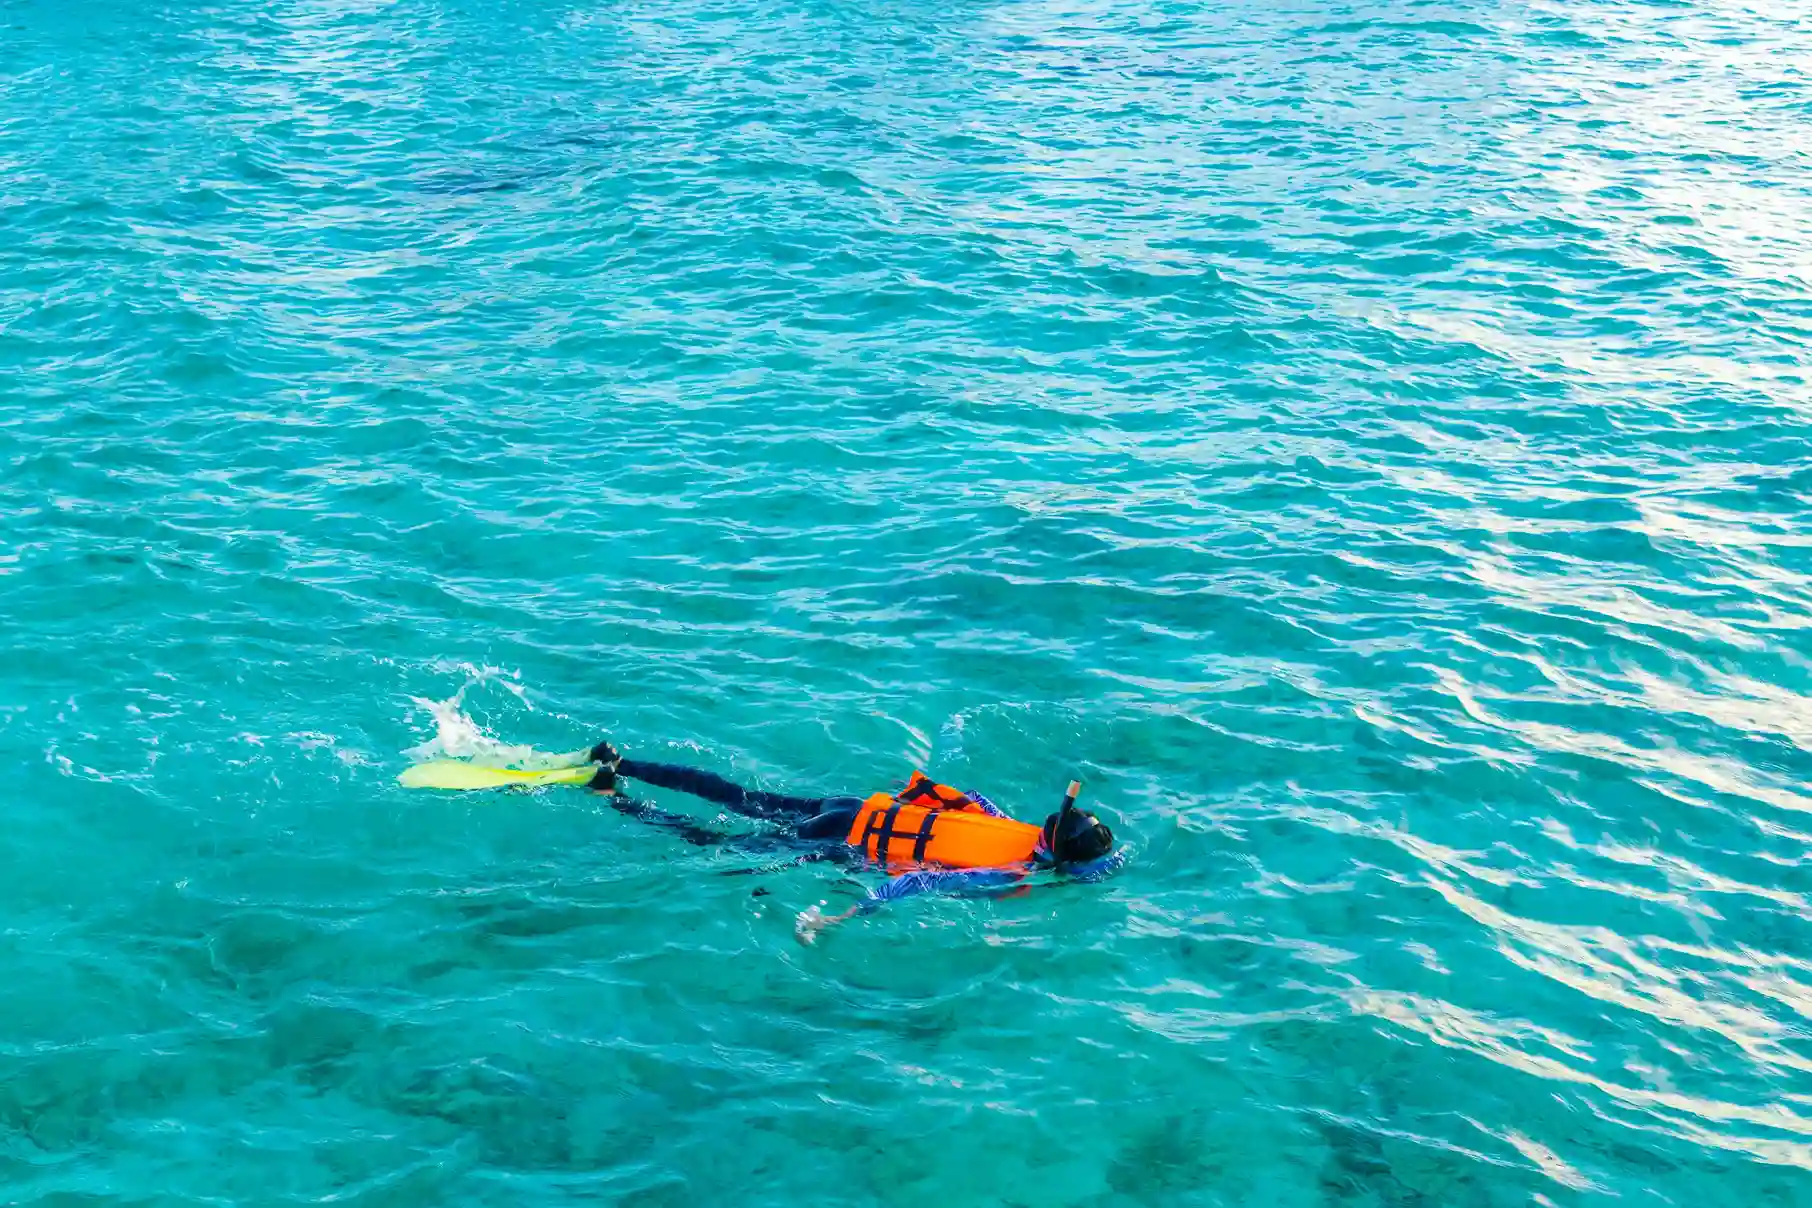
x,y
1368,442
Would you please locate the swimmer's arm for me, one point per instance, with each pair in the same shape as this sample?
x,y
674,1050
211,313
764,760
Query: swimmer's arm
x,y
954,881
1097,870
974,881
979,882
987,807
812,920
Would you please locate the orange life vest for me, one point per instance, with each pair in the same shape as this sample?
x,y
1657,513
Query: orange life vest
x,y
930,823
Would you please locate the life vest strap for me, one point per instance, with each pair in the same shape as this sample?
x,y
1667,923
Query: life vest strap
x,y
882,831
879,830
916,790
923,839
924,787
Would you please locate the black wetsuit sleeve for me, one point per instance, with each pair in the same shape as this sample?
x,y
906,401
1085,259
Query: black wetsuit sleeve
x,y
755,803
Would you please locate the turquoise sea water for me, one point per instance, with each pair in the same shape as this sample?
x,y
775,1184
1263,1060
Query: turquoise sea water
x,y
1368,442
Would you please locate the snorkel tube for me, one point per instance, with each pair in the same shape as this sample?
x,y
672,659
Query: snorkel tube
x,y
1059,826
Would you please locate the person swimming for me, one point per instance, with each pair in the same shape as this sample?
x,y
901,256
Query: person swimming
x,y
934,838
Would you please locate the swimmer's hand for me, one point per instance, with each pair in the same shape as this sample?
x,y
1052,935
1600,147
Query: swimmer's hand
x,y
813,920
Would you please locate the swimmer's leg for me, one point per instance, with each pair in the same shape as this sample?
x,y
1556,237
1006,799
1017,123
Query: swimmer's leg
x,y
832,821
753,803
678,824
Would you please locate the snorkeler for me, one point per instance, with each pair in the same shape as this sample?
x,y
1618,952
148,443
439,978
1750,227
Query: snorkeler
x,y
935,838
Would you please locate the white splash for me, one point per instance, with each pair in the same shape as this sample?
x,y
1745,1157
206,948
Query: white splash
x,y
457,736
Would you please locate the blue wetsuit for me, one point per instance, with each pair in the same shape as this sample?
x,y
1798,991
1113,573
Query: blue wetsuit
x,y
821,825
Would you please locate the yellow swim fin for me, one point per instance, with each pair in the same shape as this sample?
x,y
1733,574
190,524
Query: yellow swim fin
x,y
453,774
